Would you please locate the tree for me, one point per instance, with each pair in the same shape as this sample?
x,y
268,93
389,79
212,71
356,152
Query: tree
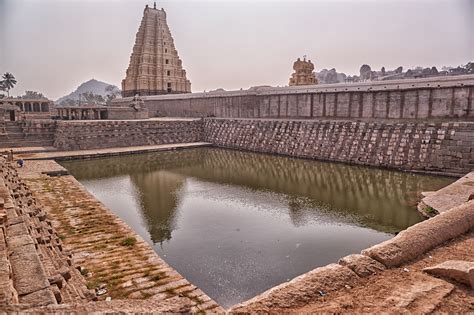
x,y
8,82
469,67
90,97
2,88
33,94
112,93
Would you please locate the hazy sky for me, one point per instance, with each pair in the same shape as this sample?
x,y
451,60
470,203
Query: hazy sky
x,y
52,46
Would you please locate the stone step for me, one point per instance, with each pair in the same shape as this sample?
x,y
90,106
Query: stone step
x,y
29,143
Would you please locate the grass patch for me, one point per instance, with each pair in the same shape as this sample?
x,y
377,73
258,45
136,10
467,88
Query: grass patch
x,y
92,284
145,295
156,277
430,210
100,247
129,241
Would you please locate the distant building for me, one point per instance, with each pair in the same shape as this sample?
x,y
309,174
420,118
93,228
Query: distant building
x,y
155,67
14,109
304,74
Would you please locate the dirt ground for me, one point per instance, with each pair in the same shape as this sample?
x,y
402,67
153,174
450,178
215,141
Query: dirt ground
x,y
406,289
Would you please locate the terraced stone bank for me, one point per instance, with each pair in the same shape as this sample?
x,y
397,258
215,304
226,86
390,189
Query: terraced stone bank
x,y
105,259
35,266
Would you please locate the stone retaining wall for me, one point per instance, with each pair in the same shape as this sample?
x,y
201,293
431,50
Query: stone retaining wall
x,y
82,135
446,148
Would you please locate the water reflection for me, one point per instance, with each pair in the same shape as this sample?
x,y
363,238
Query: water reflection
x,y
381,199
236,223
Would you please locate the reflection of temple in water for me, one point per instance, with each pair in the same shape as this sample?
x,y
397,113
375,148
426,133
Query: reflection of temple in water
x,y
376,197
158,199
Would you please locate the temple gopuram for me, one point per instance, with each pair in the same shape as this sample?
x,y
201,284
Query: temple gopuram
x,y
304,74
155,67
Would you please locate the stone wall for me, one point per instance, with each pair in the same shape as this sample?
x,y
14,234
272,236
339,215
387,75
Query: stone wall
x,y
82,135
29,133
419,146
34,267
431,98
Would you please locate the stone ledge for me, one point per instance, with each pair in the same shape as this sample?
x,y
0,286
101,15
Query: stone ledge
x,y
28,273
421,237
450,196
460,271
300,290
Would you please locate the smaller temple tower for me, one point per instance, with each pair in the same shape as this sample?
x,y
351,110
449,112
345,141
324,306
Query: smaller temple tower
x,y
304,74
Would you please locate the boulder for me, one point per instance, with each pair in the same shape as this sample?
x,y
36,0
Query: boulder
x,y
458,270
363,266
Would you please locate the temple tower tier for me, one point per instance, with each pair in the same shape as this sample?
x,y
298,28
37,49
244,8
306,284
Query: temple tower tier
x,y
155,67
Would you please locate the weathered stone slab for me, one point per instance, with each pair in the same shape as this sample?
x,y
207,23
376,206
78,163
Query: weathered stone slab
x,y
38,298
28,273
418,298
451,195
420,238
17,241
7,294
457,270
17,229
300,290
363,266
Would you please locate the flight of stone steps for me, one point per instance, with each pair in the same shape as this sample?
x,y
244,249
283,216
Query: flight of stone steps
x,y
35,270
13,135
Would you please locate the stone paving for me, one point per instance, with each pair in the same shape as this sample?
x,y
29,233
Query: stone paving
x,y
87,154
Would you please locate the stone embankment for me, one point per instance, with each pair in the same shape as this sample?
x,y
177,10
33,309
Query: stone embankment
x,y
358,283
106,260
83,135
435,147
444,148
35,267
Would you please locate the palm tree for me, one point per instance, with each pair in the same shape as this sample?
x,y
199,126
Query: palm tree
x,y
8,82
2,89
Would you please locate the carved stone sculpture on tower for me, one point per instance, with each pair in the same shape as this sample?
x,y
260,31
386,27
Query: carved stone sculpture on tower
x,y
304,74
155,67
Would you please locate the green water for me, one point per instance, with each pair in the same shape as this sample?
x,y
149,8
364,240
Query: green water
x,y
237,223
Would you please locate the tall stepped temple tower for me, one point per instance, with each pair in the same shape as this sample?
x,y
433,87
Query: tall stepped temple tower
x,y
155,67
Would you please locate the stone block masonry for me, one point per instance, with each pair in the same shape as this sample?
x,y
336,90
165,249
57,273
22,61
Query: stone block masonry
x,y
445,148
82,135
431,98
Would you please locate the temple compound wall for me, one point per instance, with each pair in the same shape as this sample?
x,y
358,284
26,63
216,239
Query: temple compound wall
x,y
441,147
81,135
432,98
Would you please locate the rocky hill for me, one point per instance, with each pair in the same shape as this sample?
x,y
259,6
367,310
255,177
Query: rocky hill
x,y
92,86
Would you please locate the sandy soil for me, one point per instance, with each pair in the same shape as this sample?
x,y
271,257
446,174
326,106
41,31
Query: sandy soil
x,y
406,289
